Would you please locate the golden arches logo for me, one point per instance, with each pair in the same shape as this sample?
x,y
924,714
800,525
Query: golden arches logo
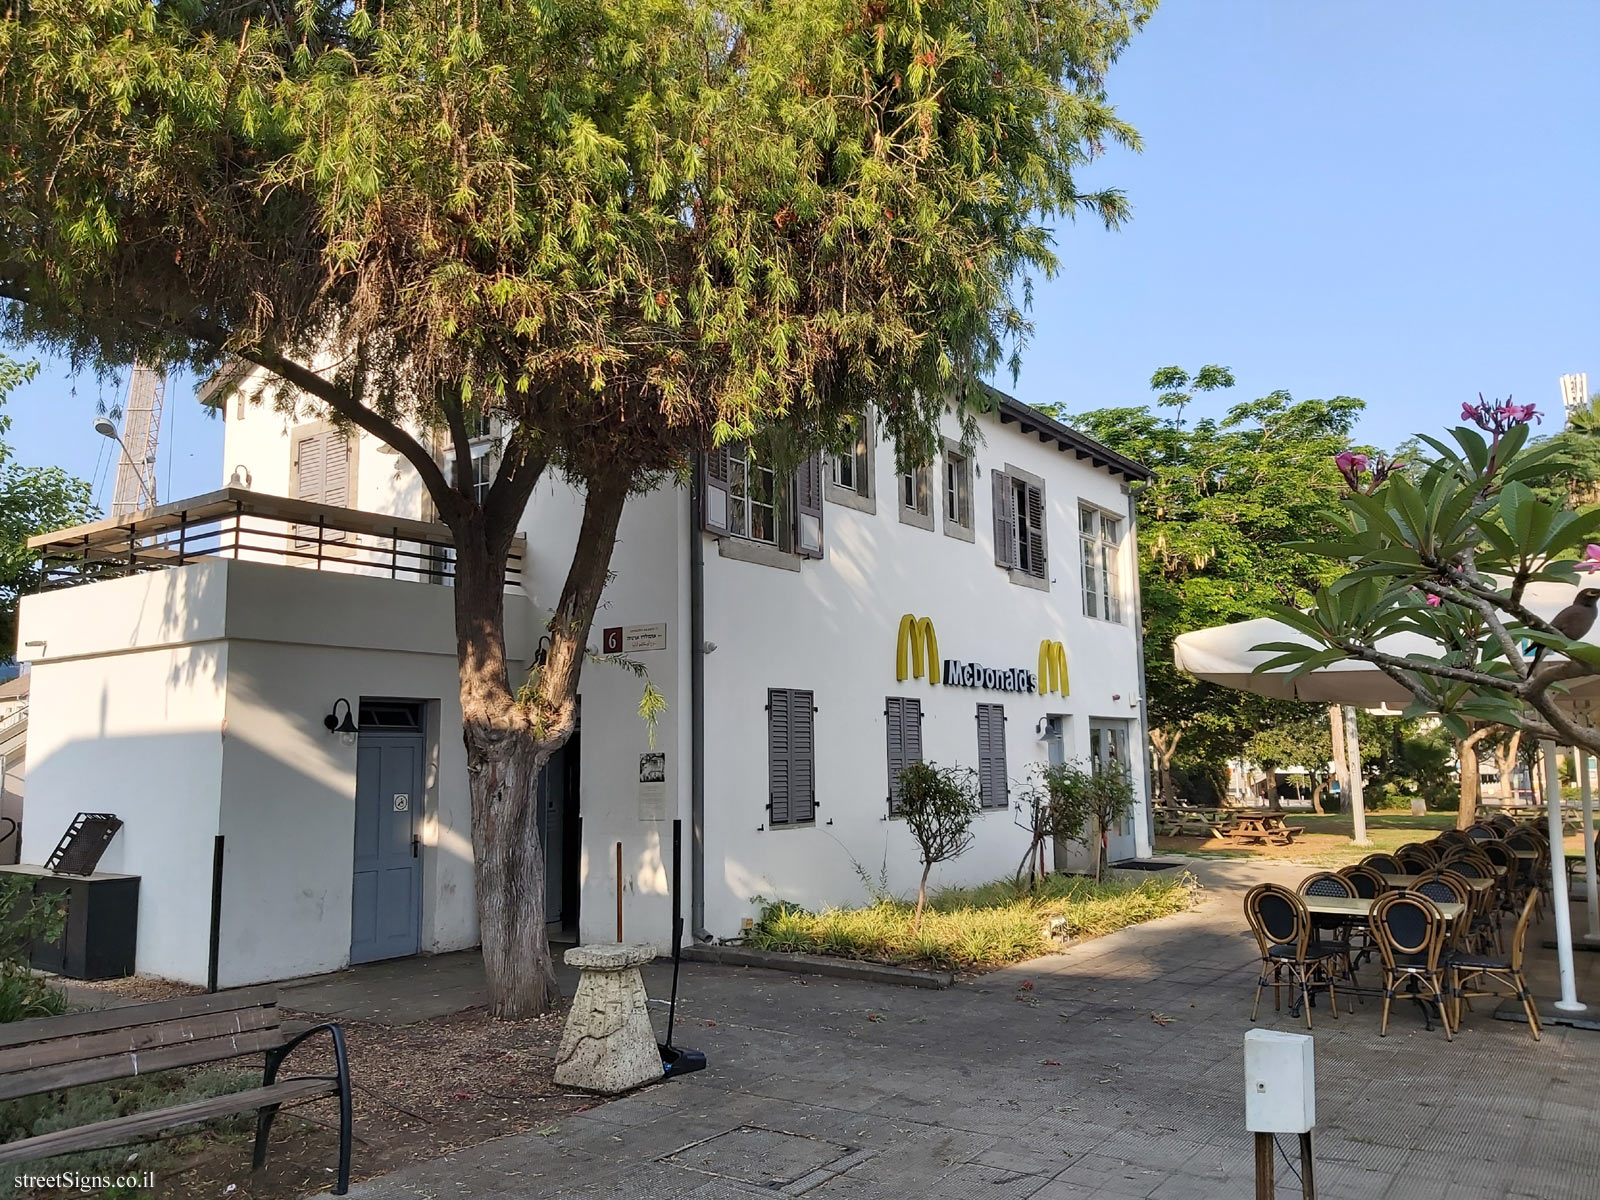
x,y
1053,668
916,650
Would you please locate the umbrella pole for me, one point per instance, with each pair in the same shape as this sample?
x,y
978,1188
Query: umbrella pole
x,y
1558,884
1591,892
1358,810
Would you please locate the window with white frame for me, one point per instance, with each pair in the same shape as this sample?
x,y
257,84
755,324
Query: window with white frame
x,y
847,467
1100,547
957,494
1020,541
752,498
916,502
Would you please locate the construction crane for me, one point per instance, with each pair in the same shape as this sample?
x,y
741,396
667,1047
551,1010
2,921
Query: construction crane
x,y
140,439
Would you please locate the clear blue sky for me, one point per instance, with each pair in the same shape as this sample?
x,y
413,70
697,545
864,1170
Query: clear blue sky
x,y
1395,201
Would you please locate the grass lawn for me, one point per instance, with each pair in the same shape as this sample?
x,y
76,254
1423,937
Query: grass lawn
x,y
1326,841
975,928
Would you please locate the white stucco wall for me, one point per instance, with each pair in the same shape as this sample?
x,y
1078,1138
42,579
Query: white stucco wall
x,y
191,704
126,716
832,628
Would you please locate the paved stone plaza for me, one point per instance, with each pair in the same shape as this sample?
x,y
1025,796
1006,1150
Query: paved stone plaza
x,y
1108,1072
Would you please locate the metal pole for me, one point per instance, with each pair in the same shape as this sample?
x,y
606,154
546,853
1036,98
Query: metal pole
x,y
1558,883
619,893
1265,1185
214,953
1591,892
1358,811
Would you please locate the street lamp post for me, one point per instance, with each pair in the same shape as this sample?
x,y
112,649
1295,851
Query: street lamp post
x,y
104,427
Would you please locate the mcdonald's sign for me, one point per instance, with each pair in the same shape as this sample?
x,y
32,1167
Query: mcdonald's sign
x,y
916,656
1053,669
916,650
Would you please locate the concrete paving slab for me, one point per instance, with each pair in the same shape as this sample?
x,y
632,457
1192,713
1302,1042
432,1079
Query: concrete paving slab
x,y
950,1093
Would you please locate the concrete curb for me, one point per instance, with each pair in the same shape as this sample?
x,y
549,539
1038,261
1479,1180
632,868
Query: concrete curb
x,y
816,964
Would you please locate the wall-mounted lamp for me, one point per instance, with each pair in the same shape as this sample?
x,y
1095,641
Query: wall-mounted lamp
x,y
541,653
344,726
241,477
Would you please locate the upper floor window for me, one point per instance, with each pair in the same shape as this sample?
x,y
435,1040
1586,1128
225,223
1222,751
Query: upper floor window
x,y
752,498
1100,543
747,501
916,501
957,493
849,479
1020,543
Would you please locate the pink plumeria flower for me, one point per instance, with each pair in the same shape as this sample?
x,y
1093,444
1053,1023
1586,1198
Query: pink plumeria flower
x,y
1434,601
1350,462
1590,560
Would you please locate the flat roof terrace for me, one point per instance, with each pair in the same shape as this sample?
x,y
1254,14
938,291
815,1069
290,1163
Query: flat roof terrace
x,y
238,523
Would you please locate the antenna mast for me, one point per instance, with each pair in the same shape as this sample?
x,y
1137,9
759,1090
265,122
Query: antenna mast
x,y
141,437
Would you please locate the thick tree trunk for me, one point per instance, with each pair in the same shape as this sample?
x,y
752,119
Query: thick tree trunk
x,y
1467,754
1165,746
509,738
1318,789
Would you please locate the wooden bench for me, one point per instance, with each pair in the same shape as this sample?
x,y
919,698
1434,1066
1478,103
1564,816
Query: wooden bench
x,y
51,1053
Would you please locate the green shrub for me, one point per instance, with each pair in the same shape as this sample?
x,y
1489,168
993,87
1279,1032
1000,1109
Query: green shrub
x,y
33,1115
25,919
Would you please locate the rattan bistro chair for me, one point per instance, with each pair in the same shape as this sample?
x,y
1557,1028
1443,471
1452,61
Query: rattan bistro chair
x,y
1289,956
1335,931
1410,936
1483,832
1415,861
1384,864
1369,884
1475,968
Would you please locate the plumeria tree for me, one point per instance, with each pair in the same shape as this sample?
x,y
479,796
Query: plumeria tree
x,y
1446,548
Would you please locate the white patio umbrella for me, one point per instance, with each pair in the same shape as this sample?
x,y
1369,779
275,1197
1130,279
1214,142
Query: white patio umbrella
x,y
1226,655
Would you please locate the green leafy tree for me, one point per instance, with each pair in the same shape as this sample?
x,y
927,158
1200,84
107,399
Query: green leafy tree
x,y
33,500
1087,800
938,805
1302,739
1227,494
630,228
1447,553
1053,807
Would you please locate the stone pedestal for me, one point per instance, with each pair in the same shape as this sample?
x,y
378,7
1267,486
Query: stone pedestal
x,y
609,1045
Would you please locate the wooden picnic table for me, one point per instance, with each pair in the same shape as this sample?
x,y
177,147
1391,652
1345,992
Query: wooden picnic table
x,y
1260,827
1355,906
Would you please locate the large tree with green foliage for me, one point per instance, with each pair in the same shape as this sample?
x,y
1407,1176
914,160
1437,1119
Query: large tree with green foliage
x,y
631,228
32,500
1226,495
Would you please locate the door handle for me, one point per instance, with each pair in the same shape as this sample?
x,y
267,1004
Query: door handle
x,y
414,841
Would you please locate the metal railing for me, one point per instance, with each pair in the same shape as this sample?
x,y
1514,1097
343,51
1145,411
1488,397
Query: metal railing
x,y
240,524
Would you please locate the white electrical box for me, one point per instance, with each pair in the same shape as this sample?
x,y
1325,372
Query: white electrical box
x,y
1280,1082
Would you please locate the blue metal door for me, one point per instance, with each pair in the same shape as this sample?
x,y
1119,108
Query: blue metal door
x,y
386,907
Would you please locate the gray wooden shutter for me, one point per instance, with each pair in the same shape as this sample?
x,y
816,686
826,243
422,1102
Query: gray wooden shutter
x,y
903,718
714,504
808,508
802,757
791,756
779,778
993,787
1038,565
1005,528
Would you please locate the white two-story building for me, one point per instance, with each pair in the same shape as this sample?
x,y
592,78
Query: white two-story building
x,y
808,640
